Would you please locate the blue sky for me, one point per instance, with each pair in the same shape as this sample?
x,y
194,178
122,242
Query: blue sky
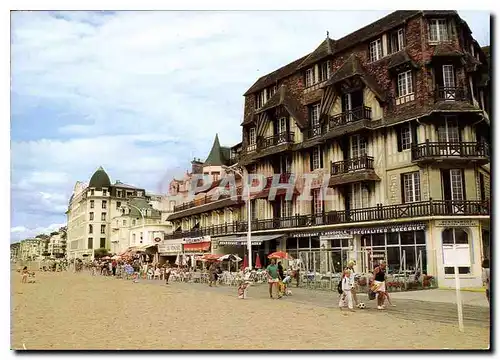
x,y
142,93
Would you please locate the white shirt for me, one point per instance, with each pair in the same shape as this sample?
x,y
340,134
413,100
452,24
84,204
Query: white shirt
x,y
346,284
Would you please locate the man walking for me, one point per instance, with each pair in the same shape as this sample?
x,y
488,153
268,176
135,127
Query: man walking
x,y
272,277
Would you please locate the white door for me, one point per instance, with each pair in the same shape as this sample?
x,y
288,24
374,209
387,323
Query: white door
x,y
457,191
449,82
358,149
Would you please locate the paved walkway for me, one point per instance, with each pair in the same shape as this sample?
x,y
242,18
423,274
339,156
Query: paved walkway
x,y
438,305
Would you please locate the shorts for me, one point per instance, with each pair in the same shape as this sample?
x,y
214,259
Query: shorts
x,y
378,286
272,281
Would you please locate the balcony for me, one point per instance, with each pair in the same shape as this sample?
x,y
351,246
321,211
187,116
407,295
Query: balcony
x,y
275,140
351,116
451,94
316,131
352,170
451,151
377,213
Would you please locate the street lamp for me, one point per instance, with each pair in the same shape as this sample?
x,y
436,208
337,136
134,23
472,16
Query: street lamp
x,y
143,220
248,205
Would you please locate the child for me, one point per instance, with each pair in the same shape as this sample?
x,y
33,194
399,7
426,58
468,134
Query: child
x,y
346,291
244,285
24,275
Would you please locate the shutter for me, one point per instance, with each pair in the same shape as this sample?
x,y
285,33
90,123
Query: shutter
x,y
312,202
347,197
445,176
463,185
310,152
344,145
397,129
343,102
403,195
414,130
321,156
276,208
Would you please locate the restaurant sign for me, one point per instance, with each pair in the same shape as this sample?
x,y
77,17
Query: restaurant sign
x,y
195,240
348,233
167,248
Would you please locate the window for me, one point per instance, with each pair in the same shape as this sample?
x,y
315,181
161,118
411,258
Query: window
x,y
133,238
104,204
103,229
91,216
456,238
282,125
91,204
215,175
358,146
405,135
103,243
260,99
411,187
438,30
91,229
359,196
457,191
133,222
119,193
252,136
271,91
118,205
104,192
317,201
91,192
103,216
286,208
316,158
124,222
396,42
324,71
90,243
310,77
253,209
314,115
405,84
376,50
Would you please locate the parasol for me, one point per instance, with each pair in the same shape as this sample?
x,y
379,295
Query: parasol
x,y
279,255
211,257
257,262
245,262
230,257
105,258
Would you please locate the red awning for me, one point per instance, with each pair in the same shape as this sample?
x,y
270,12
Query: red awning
x,y
197,247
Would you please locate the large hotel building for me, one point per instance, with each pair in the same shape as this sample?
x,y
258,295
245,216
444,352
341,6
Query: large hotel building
x,y
395,115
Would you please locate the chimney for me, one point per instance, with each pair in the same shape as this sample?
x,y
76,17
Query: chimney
x,y
196,166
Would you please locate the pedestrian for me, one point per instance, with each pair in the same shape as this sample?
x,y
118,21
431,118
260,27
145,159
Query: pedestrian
x,y
350,266
24,275
168,270
272,277
280,271
296,270
113,267
213,275
486,277
346,297
378,286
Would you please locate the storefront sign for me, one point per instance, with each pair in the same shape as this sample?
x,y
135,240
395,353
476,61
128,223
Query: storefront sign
x,y
169,248
238,243
335,235
157,239
197,247
347,234
195,240
457,223
458,255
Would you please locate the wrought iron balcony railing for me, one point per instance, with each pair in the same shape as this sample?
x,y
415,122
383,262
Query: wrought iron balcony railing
x,y
353,164
360,113
377,213
429,150
278,139
451,93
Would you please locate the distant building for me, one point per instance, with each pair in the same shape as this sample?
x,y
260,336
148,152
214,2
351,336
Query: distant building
x,y
14,251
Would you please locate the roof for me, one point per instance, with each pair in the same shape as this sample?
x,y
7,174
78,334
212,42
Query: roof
x,y
330,47
352,67
141,203
324,49
100,179
400,58
285,97
205,207
273,77
444,49
122,185
218,155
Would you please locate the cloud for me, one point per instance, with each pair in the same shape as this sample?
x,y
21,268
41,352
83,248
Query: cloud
x,y
140,93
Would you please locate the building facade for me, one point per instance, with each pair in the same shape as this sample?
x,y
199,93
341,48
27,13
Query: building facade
x,y
392,125
91,210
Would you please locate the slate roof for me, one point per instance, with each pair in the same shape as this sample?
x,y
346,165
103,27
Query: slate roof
x,y
100,179
217,155
285,97
444,49
141,203
400,58
324,49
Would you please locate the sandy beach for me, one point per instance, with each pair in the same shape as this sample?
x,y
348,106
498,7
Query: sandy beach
x,y
78,311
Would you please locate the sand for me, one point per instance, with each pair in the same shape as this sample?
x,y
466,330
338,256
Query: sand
x,y
78,311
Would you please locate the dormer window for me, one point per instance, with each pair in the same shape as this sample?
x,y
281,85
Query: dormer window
x,y
324,71
260,99
270,92
104,192
396,41
310,77
438,30
376,50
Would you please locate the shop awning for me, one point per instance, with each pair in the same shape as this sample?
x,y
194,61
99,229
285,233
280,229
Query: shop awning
x,y
242,240
197,247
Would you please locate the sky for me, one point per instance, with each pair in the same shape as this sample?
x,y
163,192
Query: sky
x,y
142,93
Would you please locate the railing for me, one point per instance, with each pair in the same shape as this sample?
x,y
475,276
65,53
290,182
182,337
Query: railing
x,y
360,113
278,139
450,149
315,131
451,94
377,213
358,163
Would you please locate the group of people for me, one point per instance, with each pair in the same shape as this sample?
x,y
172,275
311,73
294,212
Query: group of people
x,y
377,290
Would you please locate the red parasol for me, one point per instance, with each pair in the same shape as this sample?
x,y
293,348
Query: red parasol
x,y
245,263
279,255
257,262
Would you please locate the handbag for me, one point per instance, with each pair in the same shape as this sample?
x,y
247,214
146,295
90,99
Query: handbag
x,y
371,294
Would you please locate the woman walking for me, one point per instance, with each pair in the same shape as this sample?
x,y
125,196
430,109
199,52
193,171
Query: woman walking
x,y
352,277
378,286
